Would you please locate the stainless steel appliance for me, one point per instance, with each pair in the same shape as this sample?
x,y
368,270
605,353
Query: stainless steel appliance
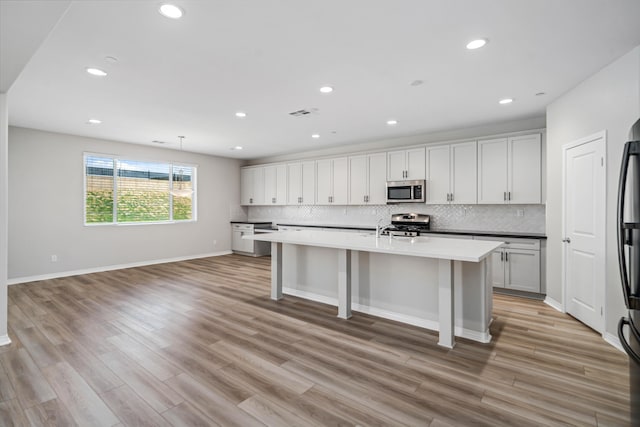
x,y
406,191
407,224
629,260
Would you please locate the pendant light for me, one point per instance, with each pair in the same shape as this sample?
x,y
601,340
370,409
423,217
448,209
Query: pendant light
x,y
180,191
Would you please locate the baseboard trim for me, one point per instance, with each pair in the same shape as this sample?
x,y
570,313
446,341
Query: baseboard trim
x,y
310,296
4,340
57,275
483,337
553,304
613,340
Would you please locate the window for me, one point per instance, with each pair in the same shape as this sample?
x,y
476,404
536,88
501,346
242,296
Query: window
x,y
131,191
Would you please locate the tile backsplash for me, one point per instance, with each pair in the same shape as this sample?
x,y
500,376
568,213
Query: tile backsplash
x,y
516,218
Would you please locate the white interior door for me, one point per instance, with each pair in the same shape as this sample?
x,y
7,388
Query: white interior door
x,y
584,230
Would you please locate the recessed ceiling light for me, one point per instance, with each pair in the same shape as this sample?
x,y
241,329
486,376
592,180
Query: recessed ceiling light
x,y
392,122
96,72
241,114
237,147
476,44
171,11
505,101
326,89
315,136
94,121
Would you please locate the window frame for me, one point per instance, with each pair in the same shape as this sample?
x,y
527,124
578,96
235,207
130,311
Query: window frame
x,y
115,158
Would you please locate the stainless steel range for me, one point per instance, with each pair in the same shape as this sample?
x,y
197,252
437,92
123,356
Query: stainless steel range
x,y
407,224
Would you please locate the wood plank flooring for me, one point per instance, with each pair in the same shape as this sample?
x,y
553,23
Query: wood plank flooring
x,y
199,343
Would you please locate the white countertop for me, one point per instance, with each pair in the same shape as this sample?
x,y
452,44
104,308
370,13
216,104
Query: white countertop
x,y
422,246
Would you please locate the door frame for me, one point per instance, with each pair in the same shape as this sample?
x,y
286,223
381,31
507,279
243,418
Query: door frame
x,y
603,227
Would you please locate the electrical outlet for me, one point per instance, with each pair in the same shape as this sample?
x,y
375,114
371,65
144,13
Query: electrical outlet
x,y
519,212
54,258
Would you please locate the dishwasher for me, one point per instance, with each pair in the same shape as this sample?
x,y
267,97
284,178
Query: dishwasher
x,y
249,247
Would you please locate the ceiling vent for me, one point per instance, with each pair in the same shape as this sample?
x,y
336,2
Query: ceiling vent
x,y
302,113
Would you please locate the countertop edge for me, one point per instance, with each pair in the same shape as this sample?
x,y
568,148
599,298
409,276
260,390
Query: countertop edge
x,y
514,234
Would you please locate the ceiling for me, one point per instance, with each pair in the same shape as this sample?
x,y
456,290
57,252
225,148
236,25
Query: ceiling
x,y
270,57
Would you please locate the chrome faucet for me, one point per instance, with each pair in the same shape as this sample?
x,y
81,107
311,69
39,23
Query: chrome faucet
x,y
380,229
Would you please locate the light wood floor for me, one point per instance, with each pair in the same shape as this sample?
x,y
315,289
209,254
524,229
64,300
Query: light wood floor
x,y
200,343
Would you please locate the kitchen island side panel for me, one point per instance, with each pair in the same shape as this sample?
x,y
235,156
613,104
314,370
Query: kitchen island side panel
x,y
400,286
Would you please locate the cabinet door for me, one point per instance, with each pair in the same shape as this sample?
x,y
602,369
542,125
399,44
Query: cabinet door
x,y
492,171
258,186
281,185
377,179
236,240
358,182
497,269
396,162
524,179
522,270
270,185
438,175
308,182
464,177
294,183
324,182
339,180
416,168
246,186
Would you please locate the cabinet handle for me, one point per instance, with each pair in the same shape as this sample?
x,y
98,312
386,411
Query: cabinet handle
x,y
250,200
451,200
509,195
504,197
506,257
365,199
447,197
501,256
273,200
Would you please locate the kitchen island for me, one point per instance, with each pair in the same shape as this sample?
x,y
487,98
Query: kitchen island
x,y
437,283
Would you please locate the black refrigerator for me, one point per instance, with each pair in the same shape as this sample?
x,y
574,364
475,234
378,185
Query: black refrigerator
x,y
629,260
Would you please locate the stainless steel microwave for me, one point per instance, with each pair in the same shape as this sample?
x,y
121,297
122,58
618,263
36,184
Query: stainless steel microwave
x,y
406,191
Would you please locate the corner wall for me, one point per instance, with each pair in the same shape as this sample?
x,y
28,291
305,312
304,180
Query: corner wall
x,y
46,198
4,221
608,100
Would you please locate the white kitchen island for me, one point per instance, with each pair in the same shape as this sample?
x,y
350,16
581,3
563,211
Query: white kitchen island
x,y
437,283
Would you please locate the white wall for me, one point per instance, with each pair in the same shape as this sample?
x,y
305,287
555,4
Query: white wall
x,y
46,208
4,124
609,100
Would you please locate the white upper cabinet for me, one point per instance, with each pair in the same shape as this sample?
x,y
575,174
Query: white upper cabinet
x,y
438,175
301,183
509,170
406,164
331,181
525,169
252,186
451,174
275,185
367,179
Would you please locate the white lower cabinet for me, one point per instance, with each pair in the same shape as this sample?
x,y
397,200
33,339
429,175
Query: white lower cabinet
x,y
245,246
516,266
